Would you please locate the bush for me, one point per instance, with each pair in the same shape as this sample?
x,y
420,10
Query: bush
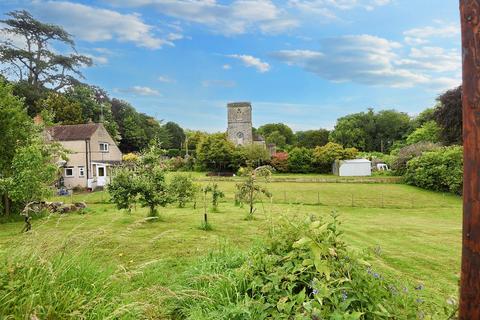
x,y
300,160
182,189
302,272
123,189
428,132
438,170
280,162
326,155
407,153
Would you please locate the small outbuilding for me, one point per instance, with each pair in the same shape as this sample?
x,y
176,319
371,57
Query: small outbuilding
x,y
352,168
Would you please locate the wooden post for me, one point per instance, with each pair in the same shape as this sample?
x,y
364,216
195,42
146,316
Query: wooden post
x,y
470,275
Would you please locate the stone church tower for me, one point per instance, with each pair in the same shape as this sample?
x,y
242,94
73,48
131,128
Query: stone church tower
x,y
240,123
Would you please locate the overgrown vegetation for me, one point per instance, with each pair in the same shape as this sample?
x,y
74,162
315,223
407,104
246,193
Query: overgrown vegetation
x,y
438,170
302,271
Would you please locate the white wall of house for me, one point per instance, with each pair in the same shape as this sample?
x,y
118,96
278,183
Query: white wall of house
x,y
97,155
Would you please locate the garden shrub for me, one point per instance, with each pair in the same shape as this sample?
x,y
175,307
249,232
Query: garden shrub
x,y
405,154
123,189
182,189
280,162
438,170
300,160
325,156
302,271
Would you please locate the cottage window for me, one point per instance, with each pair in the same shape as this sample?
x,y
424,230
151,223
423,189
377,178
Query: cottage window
x,y
104,147
69,172
81,171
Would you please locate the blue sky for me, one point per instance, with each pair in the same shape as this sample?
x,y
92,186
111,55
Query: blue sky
x,y
301,62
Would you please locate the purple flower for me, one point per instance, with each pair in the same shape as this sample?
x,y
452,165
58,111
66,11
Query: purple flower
x,y
344,295
315,291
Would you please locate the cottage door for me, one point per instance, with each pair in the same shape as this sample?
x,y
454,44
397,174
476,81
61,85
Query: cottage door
x,y
101,175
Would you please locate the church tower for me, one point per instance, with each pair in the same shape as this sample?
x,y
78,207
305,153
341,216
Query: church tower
x,y
240,123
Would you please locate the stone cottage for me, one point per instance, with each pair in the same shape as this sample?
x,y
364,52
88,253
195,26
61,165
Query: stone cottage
x,y
92,152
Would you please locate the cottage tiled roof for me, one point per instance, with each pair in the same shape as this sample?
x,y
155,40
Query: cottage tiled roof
x,y
73,132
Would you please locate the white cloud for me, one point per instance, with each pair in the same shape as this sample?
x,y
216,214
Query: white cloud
x,y
426,34
139,90
376,61
237,17
166,79
432,58
327,8
95,24
251,61
226,67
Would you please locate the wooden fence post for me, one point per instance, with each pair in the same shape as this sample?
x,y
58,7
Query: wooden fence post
x,y
470,275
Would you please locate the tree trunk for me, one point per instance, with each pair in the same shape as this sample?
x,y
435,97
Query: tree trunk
x,y
6,205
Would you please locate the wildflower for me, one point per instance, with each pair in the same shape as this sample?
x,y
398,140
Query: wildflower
x,y
419,300
376,275
120,254
315,291
405,289
419,287
344,295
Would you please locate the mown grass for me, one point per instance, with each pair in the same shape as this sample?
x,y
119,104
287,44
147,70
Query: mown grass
x,y
412,235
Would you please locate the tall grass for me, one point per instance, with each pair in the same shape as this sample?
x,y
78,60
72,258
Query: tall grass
x,y
61,285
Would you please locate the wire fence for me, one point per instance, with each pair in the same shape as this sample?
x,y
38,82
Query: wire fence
x,y
381,200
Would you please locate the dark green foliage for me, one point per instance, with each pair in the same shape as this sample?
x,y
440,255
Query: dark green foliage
x,y
27,167
370,131
136,129
182,189
302,271
215,152
95,106
438,170
300,160
448,115
279,131
312,138
124,188
176,136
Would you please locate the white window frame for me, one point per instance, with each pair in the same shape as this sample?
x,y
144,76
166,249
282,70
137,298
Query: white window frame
x,y
67,175
81,171
105,146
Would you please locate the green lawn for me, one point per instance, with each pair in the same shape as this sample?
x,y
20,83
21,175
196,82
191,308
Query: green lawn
x,y
412,234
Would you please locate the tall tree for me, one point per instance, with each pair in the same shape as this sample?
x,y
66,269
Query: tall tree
x,y
136,129
267,129
33,60
370,131
312,138
215,152
26,162
448,115
177,135
64,111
